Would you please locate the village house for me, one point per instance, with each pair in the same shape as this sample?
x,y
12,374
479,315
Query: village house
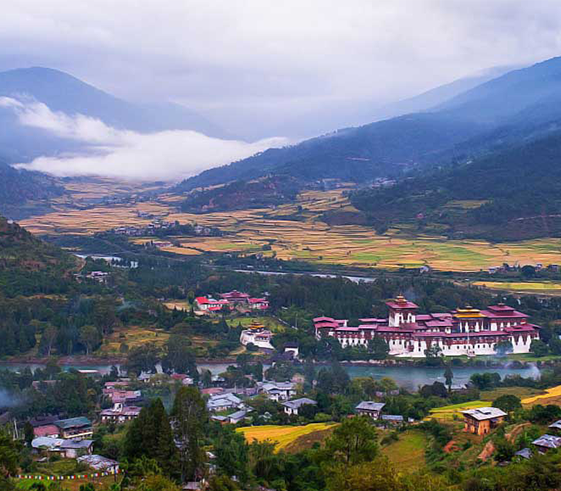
x,y
207,304
99,463
370,408
74,428
293,407
547,442
482,420
69,449
392,419
277,391
119,413
556,425
233,418
224,402
116,395
230,301
44,426
466,331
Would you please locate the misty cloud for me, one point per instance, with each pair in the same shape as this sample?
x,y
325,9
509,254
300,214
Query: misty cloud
x,y
257,67
166,155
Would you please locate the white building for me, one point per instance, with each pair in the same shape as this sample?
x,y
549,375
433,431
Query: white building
x,y
466,331
293,407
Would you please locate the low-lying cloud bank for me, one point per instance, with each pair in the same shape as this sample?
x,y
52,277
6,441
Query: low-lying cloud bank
x,y
110,152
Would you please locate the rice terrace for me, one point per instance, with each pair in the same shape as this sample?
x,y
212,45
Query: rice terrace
x,y
297,232
284,436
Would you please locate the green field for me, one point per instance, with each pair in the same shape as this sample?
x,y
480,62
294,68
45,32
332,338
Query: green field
x,y
449,412
307,237
408,453
520,392
544,287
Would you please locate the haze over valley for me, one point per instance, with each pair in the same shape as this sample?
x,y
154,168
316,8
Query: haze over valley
x,y
249,245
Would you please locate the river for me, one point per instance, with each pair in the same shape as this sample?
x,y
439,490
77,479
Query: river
x,y
408,377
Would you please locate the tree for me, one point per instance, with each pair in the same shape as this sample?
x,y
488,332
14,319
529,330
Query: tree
x,y
222,483
372,476
503,348
180,356
189,416
90,338
150,435
378,348
353,441
539,348
508,403
434,355
448,376
28,433
48,339
9,456
143,358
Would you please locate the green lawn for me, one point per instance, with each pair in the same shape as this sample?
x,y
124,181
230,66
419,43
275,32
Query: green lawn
x,y
408,453
520,392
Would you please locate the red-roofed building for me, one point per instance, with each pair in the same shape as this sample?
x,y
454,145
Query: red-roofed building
x,y
205,304
46,430
465,331
258,303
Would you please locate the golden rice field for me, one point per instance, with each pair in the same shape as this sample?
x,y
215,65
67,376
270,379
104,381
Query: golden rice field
x,y
306,238
283,435
449,412
551,396
543,287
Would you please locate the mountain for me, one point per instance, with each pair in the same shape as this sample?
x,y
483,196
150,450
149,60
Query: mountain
x,y
382,149
22,251
259,193
19,188
486,117
512,194
439,95
65,93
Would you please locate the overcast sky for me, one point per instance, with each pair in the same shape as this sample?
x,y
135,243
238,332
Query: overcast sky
x,y
269,63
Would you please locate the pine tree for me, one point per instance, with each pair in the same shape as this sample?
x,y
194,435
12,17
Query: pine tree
x,y
189,415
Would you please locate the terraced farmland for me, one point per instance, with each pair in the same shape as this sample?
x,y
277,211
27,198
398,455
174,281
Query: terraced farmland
x,y
283,435
296,231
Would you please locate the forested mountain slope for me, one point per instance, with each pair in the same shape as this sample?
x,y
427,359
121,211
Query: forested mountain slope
x,y
510,194
520,104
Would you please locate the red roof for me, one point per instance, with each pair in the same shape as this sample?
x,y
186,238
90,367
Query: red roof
x,y
319,319
234,294
201,300
47,430
401,304
258,300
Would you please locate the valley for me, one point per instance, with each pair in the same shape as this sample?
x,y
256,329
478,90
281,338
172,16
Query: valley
x,y
293,231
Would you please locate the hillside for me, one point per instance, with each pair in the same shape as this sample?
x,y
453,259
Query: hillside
x,y
22,251
511,194
496,113
20,189
382,149
268,191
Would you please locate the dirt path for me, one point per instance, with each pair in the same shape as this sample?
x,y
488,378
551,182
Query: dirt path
x,y
515,431
487,451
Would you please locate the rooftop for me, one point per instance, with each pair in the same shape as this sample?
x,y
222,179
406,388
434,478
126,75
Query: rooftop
x,y
73,423
297,403
548,441
370,406
484,413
